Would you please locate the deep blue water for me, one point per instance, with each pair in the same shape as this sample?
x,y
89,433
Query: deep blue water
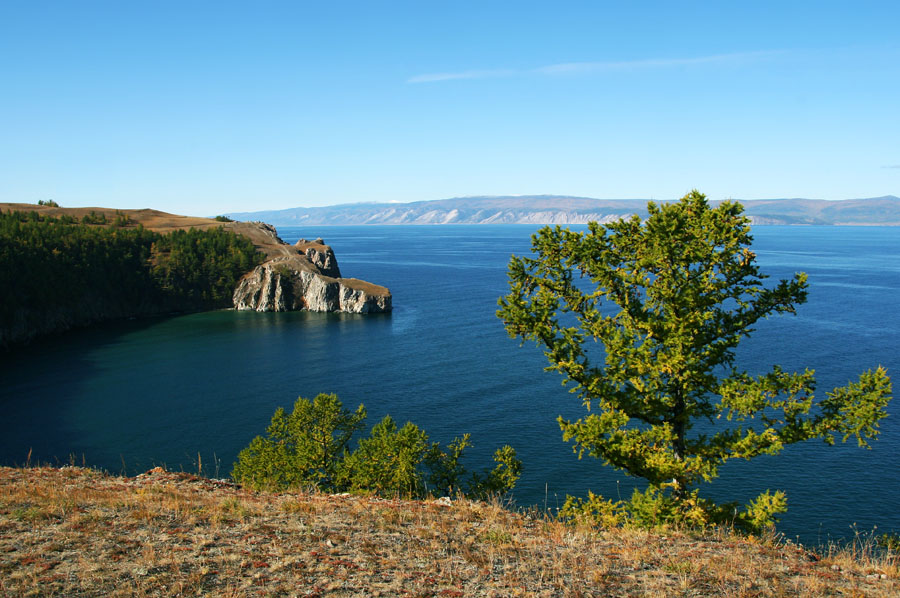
x,y
132,395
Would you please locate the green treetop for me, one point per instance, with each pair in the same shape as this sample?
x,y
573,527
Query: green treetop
x,y
669,300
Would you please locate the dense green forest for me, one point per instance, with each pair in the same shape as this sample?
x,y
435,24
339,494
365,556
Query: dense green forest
x,y
56,273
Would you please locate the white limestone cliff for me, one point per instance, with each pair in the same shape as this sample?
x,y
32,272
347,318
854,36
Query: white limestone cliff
x,y
306,277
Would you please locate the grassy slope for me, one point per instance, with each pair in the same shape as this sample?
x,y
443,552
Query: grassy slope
x,y
76,532
160,222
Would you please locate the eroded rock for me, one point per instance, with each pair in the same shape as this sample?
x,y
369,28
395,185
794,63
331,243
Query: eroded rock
x,y
321,255
296,282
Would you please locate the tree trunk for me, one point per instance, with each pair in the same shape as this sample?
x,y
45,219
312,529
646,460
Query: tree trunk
x,y
679,483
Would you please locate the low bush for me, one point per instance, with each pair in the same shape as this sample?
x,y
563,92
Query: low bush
x,y
656,510
309,447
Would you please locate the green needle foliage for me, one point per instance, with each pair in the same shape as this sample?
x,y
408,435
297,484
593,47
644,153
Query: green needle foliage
x,y
669,301
302,448
310,447
387,462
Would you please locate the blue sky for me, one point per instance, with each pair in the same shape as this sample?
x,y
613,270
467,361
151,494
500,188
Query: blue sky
x,y
203,108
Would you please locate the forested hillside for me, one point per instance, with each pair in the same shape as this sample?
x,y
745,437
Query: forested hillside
x,y
58,273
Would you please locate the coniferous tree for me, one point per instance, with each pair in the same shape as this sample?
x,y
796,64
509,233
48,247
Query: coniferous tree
x,y
669,300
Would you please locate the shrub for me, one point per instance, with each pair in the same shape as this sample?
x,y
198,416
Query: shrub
x,y
388,462
94,218
653,508
310,448
303,448
122,220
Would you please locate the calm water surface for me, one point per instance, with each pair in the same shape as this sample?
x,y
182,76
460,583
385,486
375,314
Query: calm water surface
x,y
133,395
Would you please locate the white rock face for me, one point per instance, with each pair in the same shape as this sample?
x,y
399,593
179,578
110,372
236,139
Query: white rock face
x,y
321,255
296,283
260,290
357,300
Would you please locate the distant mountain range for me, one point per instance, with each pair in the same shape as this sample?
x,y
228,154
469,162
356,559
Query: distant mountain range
x,y
559,209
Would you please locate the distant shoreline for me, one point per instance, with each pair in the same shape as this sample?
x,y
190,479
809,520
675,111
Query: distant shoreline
x,y
563,210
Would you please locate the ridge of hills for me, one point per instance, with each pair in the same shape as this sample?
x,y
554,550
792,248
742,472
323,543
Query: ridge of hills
x,y
561,209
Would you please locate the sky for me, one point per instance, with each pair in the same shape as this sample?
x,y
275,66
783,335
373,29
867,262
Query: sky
x,y
203,108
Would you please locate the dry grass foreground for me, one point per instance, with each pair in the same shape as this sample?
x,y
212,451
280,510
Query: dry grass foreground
x,y
78,532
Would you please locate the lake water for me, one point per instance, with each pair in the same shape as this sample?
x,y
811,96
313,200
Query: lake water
x,y
128,396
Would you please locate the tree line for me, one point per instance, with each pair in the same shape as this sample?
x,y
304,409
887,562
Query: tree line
x,y
76,272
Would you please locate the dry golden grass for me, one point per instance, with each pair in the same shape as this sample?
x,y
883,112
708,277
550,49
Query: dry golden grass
x,y
77,532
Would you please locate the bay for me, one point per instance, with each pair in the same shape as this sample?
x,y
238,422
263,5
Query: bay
x,y
190,391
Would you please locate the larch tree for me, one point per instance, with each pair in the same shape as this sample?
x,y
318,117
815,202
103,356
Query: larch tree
x,y
669,299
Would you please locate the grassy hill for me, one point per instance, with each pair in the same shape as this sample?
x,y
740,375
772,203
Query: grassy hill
x,y
159,222
78,532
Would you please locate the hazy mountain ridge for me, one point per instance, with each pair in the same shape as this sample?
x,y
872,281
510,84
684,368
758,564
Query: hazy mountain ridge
x,y
558,209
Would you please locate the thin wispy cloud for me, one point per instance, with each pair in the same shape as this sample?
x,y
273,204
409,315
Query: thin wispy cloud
x,y
652,63
892,166
575,68
486,74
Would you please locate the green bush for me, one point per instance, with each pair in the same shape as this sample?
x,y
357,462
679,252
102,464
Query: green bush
x,y
122,220
303,448
388,462
890,542
94,218
654,508
310,448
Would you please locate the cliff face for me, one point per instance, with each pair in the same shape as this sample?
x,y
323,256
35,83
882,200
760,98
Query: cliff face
x,y
307,276
321,255
24,325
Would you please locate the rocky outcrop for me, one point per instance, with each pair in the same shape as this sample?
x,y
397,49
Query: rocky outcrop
x,y
307,277
321,255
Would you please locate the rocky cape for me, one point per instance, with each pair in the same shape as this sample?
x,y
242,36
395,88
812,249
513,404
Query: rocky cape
x,y
305,276
293,277
558,209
